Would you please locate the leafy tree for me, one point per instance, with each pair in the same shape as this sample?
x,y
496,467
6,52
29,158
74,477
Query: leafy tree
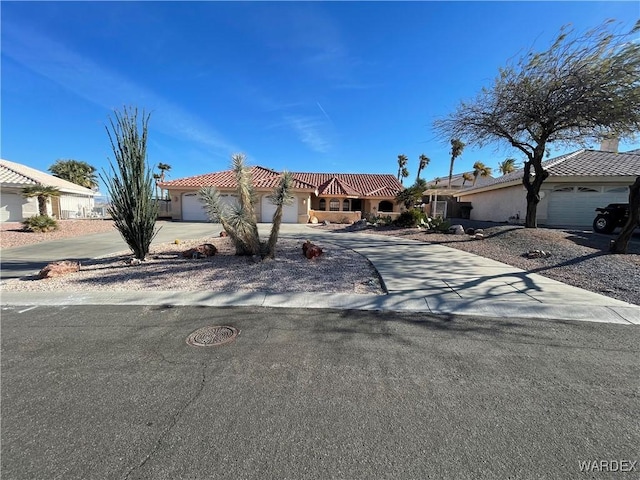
x,y
457,147
424,161
75,171
508,165
239,221
480,170
584,86
412,195
402,167
42,193
130,183
467,177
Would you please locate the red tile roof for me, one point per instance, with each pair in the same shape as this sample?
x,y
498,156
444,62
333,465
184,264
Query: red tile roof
x,y
326,184
353,184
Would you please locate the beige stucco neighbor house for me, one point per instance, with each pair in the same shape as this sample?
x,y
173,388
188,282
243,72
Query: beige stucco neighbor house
x,y
74,201
578,182
336,197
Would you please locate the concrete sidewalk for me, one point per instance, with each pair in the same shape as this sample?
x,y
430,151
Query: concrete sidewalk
x,y
418,277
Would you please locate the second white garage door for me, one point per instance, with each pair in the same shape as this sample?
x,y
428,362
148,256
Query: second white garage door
x,y
289,212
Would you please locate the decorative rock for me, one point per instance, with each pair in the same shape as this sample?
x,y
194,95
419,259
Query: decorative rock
x,y
313,219
133,261
456,229
326,222
479,230
201,251
478,236
223,233
360,224
310,250
58,269
471,231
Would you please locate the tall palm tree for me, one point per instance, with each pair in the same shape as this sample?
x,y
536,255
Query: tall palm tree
x,y
507,166
467,177
402,167
480,170
75,171
163,167
457,146
42,193
157,177
424,161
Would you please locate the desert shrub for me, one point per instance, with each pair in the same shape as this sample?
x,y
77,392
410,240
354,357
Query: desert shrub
x,y
410,218
40,223
384,220
437,224
130,182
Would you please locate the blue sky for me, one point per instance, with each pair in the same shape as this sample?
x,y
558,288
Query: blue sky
x,y
310,86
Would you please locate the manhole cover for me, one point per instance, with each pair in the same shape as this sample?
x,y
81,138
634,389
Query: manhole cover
x,y
212,336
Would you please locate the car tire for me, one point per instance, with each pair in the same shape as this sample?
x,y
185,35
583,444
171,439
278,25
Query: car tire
x,y
603,224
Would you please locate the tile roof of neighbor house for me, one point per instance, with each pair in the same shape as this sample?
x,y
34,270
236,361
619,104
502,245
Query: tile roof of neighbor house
x,y
17,175
457,180
326,184
581,163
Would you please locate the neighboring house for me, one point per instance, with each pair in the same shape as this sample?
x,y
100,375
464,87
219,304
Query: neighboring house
x,y
74,201
336,197
578,182
438,191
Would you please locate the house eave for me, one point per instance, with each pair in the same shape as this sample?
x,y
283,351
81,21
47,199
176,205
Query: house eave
x,y
488,188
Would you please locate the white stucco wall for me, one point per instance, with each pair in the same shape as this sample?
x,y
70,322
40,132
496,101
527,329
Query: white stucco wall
x,y
497,205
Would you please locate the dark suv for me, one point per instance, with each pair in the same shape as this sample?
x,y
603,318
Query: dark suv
x,y
610,217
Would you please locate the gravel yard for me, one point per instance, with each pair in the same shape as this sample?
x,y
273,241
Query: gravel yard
x,y
12,234
337,270
578,257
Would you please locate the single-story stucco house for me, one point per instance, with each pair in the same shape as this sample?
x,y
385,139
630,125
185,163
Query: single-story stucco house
x,y
74,201
336,197
578,182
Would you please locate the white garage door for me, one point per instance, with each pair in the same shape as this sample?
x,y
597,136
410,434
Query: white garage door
x,y
289,212
11,207
192,207
573,205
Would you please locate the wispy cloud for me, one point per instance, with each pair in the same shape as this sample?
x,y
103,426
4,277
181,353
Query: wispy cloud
x,y
309,131
109,89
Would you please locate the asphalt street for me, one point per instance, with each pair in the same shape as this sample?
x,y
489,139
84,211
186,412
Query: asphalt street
x,y
90,392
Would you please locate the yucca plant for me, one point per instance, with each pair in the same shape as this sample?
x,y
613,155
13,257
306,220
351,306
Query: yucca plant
x,y
130,183
239,220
